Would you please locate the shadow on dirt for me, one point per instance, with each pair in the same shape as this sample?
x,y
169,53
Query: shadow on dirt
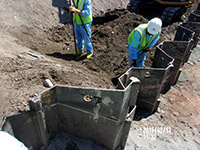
x,y
104,19
67,57
64,16
115,79
109,16
141,114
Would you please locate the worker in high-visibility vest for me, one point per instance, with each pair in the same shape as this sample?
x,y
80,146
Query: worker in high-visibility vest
x,y
83,9
141,39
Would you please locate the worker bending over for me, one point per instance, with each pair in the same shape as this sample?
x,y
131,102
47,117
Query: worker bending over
x,y
141,39
82,13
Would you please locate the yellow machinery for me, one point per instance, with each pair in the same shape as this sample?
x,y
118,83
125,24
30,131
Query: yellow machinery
x,y
170,9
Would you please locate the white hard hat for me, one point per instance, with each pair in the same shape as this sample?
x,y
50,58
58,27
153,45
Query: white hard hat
x,y
154,26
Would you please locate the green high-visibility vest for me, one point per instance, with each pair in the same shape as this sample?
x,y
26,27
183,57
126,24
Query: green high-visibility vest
x,y
76,17
143,41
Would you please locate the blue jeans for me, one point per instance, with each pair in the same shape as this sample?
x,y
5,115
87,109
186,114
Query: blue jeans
x,y
140,62
82,37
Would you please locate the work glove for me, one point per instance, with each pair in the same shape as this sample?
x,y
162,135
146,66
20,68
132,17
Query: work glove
x,y
73,9
133,63
146,50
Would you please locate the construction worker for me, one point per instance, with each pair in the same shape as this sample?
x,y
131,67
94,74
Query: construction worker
x,y
82,13
141,39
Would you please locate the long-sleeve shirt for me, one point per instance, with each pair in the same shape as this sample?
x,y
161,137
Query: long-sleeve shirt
x,y
87,8
133,52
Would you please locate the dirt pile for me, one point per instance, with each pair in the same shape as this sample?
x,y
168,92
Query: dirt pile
x,y
109,35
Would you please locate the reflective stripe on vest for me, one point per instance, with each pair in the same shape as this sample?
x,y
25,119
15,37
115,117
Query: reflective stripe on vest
x,y
143,41
76,17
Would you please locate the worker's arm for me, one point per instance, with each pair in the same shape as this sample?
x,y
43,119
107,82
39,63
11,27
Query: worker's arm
x,y
87,8
154,41
133,47
73,9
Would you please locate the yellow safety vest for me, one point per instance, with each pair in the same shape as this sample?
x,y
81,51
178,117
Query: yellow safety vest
x,y
143,41
76,17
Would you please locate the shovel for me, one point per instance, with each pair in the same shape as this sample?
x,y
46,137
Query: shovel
x,y
73,29
84,27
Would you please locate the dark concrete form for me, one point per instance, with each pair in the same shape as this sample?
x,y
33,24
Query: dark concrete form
x,y
177,50
194,27
194,16
152,80
103,116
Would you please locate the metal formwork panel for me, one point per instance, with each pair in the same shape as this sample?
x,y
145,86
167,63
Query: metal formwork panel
x,y
103,131
194,16
151,80
185,34
91,114
195,27
24,127
108,103
177,50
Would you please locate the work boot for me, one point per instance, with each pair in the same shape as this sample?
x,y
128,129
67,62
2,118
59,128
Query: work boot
x,y
79,52
89,55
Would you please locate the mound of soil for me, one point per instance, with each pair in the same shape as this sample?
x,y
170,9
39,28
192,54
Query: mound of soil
x,y
109,36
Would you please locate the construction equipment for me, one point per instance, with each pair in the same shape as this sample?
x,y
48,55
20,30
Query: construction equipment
x,y
170,9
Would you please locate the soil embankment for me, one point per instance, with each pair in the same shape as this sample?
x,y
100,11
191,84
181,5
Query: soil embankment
x,y
37,26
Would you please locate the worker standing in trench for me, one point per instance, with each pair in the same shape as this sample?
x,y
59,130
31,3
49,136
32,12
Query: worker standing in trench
x,y
141,40
82,20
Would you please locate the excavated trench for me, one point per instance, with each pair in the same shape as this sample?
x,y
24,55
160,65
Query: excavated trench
x,y
109,35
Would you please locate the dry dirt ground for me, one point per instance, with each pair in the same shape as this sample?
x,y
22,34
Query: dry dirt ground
x,y
42,27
